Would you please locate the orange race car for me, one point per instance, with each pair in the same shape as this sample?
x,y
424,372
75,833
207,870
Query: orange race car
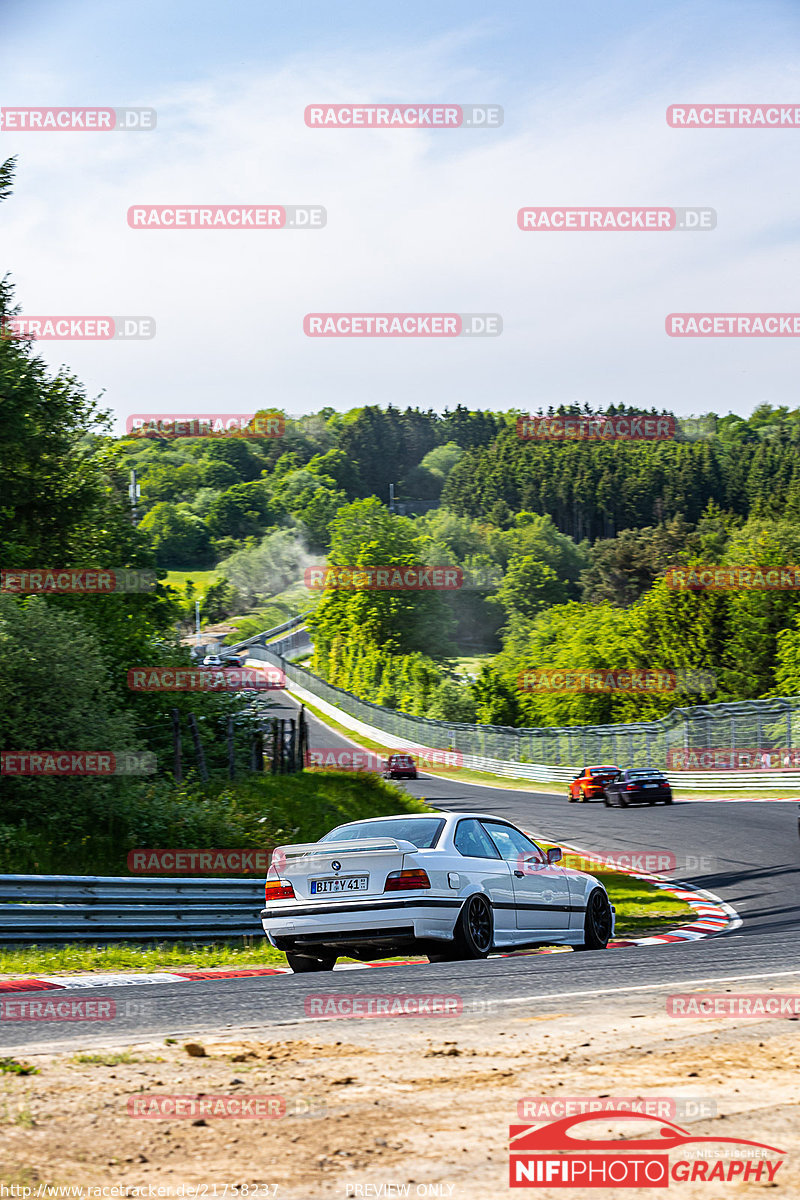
x,y
589,785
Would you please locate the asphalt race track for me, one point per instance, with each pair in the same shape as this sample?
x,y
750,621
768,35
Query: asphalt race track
x,y
747,853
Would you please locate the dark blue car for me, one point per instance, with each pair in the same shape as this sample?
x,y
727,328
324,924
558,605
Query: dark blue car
x,y
637,786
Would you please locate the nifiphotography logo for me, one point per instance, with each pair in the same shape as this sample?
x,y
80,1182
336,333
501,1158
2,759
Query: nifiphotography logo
x,y
553,1156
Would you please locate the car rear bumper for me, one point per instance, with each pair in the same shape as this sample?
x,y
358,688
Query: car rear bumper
x,y
351,922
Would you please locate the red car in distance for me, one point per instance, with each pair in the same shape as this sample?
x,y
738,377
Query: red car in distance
x,y
590,785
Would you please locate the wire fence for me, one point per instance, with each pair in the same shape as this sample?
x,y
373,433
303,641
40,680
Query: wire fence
x,y
747,735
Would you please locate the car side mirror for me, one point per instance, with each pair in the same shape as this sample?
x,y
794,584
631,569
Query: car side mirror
x,y
554,854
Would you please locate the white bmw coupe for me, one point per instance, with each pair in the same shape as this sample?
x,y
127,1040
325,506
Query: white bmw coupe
x,y
448,885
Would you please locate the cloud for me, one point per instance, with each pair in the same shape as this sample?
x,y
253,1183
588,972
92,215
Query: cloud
x,y
419,222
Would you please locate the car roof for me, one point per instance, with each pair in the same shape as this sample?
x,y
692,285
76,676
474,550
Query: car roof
x,y
447,816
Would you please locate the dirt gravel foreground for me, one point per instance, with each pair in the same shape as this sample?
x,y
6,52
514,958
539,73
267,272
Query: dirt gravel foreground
x,y
400,1107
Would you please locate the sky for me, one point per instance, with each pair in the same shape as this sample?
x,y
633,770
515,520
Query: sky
x,y
417,220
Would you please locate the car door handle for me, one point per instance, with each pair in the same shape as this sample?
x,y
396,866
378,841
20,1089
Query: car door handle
x,y
520,874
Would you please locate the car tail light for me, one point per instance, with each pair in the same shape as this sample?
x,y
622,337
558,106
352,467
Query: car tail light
x,y
404,881
278,889
631,787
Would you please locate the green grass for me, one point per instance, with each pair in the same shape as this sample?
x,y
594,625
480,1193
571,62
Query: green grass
x,y
123,956
10,1066
202,579
470,664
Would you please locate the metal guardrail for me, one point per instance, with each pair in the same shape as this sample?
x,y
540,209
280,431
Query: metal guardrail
x,y
97,908
558,754
259,639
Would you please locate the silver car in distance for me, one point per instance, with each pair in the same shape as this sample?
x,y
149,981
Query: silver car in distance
x,y
449,885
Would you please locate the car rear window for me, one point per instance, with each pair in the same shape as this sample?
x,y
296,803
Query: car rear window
x,y
401,760
602,770
424,832
645,775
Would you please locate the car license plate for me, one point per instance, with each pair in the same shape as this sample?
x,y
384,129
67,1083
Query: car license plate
x,y
652,785
345,883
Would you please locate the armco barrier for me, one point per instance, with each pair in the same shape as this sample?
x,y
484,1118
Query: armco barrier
x,y
95,908
559,754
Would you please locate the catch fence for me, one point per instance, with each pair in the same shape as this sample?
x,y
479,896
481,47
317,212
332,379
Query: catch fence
x,y
747,741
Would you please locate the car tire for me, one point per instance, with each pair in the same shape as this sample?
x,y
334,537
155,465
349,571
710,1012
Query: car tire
x,y
473,936
570,797
621,801
606,800
582,797
597,922
300,963
668,800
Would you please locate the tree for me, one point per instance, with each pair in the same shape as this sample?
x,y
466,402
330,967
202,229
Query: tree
x,y
242,511
178,537
529,586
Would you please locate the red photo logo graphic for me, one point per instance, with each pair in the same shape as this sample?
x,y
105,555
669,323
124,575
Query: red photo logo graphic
x,y
57,1009
179,679
198,862
603,1162
403,116
732,758
578,427
227,216
630,220
89,582
392,578
338,758
730,1004
231,1108
632,679
63,120
332,1005
77,762
744,325
733,116
78,329
744,578
444,325
210,425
